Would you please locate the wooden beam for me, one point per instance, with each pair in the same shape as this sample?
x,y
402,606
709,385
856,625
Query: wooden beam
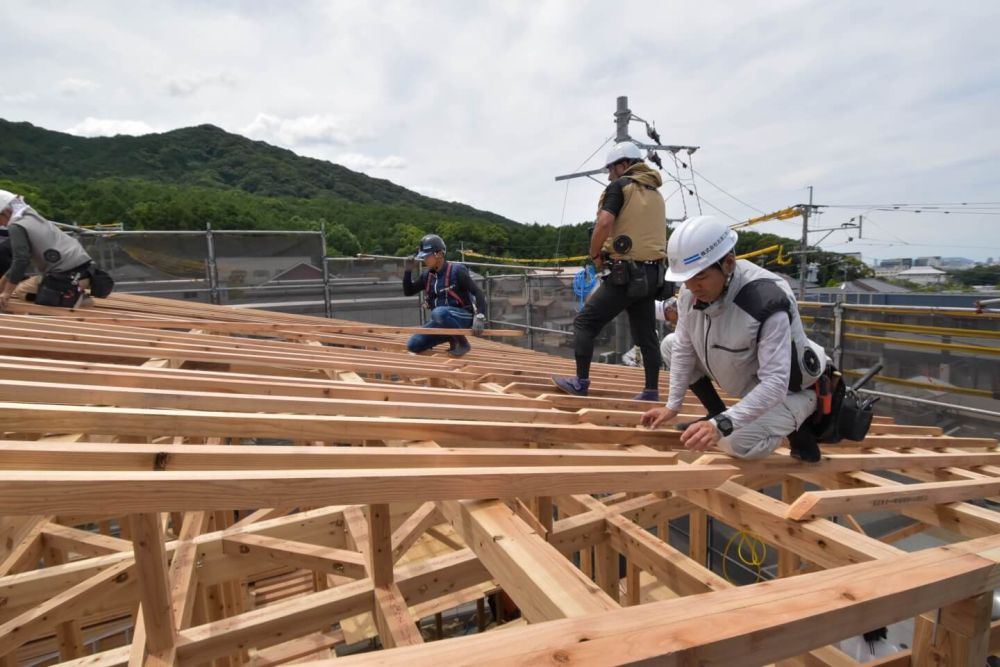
x,y
83,542
50,370
296,648
144,398
93,456
671,568
961,518
411,530
280,621
815,504
876,460
66,605
278,327
275,623
325,560
819,541
27,492
542,583
22,542
38,418
588,528
725,627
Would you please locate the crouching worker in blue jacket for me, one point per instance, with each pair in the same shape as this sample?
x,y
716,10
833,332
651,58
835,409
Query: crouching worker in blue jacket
x,y
450,293
738,325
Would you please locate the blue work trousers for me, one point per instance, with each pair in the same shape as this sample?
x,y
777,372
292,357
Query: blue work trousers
x,y
442,317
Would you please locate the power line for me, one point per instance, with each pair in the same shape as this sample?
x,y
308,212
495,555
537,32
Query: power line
x,y
720,189
731,217
598,150
957,203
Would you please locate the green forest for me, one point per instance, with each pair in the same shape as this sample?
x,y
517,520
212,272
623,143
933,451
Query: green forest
x,y
187,178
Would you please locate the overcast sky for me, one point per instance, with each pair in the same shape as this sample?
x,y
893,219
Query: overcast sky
x,y
485,102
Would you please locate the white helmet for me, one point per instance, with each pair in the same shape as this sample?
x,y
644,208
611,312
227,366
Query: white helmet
x,y
625,150
6,198
697,244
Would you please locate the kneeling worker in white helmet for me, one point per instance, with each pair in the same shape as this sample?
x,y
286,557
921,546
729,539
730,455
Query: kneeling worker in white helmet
x,y
738,325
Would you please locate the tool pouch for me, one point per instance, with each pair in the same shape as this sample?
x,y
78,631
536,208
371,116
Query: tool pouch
x,y
840,414
101,284
855,418
58,289
638,286
619,274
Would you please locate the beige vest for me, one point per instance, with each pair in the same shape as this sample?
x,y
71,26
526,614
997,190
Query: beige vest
x,y
643,217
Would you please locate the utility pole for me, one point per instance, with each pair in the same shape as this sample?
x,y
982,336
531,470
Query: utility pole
x,y
622,116
804,249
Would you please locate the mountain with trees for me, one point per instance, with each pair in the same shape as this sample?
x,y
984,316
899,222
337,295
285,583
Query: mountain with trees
x,y
188,177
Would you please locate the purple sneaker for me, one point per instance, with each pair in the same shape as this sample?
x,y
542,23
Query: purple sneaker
x,y
572,385
647,395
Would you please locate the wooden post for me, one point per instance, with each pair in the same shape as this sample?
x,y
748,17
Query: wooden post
x,y
789,561
154,585
698,537
606,573
70,637
380,540
960,637
481,614
545,513
633,580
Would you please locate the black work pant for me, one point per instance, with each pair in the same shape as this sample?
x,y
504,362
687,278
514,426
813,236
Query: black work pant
x,y
603,306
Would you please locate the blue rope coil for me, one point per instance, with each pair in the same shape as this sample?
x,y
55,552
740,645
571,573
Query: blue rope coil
x,y
583,283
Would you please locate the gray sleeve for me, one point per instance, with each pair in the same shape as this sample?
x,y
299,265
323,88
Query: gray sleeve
x,y
20,250
682,362
774,358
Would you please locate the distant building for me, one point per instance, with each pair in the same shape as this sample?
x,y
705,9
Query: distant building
x,y
890,268
924,275
957,263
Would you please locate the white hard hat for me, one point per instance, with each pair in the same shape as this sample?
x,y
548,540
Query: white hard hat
x,y
6,198
697,244
625,150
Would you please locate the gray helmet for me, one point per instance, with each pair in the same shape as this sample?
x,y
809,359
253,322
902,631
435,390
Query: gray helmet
x,y
429,245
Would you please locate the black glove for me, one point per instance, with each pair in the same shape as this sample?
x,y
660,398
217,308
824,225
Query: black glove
x,y
478,324
410,264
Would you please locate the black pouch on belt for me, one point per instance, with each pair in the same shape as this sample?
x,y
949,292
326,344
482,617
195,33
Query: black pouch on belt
x,y
638,286
58,289
619,273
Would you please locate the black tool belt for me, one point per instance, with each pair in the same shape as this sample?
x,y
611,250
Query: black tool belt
x,y
635,275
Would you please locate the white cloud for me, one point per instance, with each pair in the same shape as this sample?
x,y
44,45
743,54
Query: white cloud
x,y
74,87
360,162
108,127
868,102
302,130
184,86
17,97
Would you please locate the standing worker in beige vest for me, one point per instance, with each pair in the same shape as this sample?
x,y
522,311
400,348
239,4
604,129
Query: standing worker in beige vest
x,y
628,246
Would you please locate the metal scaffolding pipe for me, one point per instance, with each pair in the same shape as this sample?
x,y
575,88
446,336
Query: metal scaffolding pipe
x,y
937,404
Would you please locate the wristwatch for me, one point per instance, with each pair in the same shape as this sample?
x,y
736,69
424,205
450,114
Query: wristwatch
x,y
722,423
